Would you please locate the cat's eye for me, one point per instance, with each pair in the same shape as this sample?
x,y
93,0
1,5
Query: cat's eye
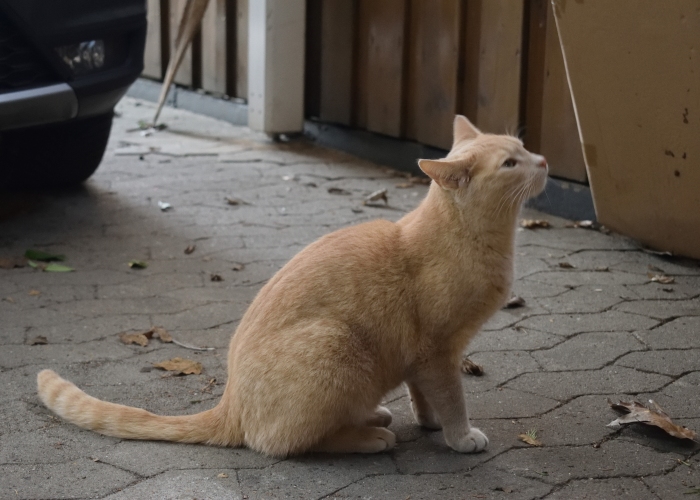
x,y
509,163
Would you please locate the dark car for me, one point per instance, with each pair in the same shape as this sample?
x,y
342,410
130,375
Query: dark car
x,y
64,65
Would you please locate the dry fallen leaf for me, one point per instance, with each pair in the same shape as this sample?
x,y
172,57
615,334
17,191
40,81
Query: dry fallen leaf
x,y
374,197
652,415
136,338
40,340
222,475
404,185
236,201
660,278
471,368
655,269
566,265
34,293
238,266
161,333
602,269
137,264
534,223
215,277
337,190
9,299
12,262
190,249
180,366
515,302
530,437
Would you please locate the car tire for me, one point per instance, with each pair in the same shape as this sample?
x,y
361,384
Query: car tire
x,y
53,156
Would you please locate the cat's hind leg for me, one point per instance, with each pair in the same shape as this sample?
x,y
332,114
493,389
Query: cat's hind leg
x,y
353,439
380,418
422,411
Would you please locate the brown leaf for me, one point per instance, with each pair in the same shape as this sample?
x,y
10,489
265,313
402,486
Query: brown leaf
x,y
190,249
534,223
215,277
207,388
34,293
12,262
660,278
526,438
161,333
180,366
655,269
653,415
566,265
136,338
381,194
602,269
404,185
40,340
223,475
238,266
337,190
515,302
236,201
471,368
9,299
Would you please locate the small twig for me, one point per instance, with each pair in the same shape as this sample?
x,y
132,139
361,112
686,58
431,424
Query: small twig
x,y
186,346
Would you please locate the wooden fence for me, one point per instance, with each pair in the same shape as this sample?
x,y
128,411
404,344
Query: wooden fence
x,y
403,68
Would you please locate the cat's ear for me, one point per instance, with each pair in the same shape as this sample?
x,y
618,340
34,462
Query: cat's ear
x,y
448,174
463,129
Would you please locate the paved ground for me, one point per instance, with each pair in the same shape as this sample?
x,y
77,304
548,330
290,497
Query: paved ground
x,y
599,329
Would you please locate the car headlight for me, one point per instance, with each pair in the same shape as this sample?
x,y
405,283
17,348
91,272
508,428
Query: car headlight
x,y
83,57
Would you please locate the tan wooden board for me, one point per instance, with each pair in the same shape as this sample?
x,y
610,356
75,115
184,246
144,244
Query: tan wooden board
x,y
634,69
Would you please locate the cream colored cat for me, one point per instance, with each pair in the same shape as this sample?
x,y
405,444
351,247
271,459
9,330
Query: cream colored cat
x,y
356,314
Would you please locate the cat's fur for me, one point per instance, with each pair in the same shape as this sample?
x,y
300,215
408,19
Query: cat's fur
x,y
354,315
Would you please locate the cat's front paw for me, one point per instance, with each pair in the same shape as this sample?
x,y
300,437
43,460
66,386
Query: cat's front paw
x,y
473,441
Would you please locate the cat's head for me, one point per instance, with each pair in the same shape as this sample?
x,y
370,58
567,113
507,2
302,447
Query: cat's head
x,y
489,169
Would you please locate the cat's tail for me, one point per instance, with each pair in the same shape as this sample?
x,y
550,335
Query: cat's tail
x,y
73,405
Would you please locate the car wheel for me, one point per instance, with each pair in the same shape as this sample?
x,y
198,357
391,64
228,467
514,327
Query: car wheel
x,y
53,156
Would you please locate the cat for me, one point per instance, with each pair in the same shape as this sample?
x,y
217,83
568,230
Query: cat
x,y
356,314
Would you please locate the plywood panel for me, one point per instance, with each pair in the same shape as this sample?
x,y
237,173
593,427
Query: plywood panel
x,y
152,62
559,140
385,55
184,73
433,66
361,82
634,69
241,86
214,46
337,23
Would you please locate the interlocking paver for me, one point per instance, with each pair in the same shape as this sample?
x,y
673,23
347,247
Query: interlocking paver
x,y
600,329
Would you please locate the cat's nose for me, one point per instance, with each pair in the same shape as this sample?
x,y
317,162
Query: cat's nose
x,y
542,162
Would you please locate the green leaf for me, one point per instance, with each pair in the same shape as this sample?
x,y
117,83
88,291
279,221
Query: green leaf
x,y
43,256
58,268
33,264
137,264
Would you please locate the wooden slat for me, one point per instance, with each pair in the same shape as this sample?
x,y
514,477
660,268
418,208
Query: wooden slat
x,y
214,47
432,72
241,85
361,81
336,60
493,61
385,66
559,139
152,63
536,35
184,73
